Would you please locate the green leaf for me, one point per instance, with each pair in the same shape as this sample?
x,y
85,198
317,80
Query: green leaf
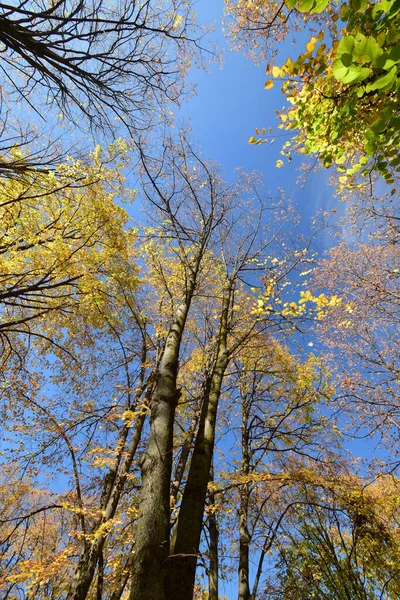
x,y
370,135
370,149
385,81
382,166
305,5
372,50
395,53
346,59
354,73
344,12
358,5
377,11
377,126
384,62
346,45
339,70
319,6
360,45
387,5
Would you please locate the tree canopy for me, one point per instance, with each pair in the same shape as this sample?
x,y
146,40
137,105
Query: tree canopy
x,y
185,375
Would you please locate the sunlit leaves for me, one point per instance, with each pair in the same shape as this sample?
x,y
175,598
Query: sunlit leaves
x,y
62,235
311,6
344,98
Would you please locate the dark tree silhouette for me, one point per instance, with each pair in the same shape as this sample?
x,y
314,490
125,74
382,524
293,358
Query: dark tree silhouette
x,y
108,60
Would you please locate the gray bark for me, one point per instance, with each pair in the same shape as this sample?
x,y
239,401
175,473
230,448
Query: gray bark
x,y
150,565
183,559
244,537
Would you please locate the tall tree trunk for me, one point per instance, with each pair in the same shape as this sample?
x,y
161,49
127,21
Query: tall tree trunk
x,y
266,546
150,565
113,486
213,571
244,537
183,560
186,448
85,570
100,577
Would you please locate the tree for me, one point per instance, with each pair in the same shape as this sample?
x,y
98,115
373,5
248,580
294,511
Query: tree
x,y
239,253
344,544
361,333
282,418
256,27
90,64
105,61
155,336
61,232
32,525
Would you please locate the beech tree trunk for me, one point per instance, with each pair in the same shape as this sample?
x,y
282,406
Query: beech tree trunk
x,y
183,560
244,537
150,564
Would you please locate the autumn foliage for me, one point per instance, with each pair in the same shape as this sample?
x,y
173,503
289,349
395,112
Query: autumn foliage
x,y
183,387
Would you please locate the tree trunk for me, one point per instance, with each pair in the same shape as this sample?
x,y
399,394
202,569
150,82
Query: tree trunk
x,y
244,587
185,453
84,572
113,486
183,560
213,571
150,565
244,537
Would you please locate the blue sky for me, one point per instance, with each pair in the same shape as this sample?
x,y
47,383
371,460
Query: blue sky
x,y
230,103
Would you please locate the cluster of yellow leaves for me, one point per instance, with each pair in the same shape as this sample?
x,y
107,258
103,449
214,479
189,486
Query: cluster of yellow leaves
x,y
321,305
64,241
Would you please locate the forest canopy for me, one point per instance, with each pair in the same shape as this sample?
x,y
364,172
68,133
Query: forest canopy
x,y
199,375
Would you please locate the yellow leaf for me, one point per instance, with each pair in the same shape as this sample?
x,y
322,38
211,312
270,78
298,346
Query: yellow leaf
x,y
289,65
276,71
269,84
311,44
252,140
177,21
279,163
